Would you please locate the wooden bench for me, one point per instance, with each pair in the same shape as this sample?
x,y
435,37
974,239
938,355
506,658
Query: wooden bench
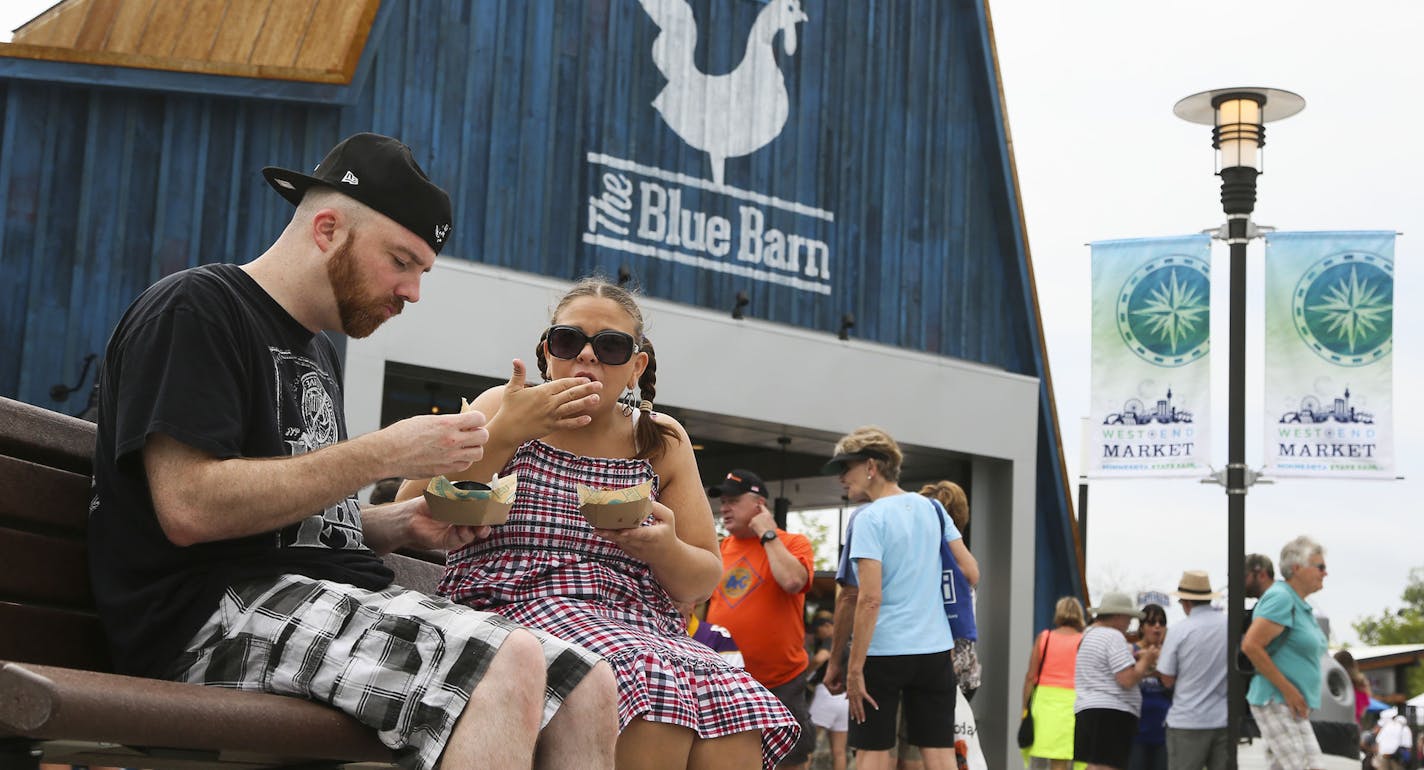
x,y
60,701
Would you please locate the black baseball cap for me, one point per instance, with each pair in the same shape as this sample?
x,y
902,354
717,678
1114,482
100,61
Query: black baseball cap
x,y
738,482
836,464
381,173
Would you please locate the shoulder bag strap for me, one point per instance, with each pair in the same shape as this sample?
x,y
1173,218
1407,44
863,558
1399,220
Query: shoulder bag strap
x,y
1042,658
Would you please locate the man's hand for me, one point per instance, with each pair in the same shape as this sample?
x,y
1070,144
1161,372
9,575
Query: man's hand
x,y
535,412
408,524
763,521
430,533
431,445
645,542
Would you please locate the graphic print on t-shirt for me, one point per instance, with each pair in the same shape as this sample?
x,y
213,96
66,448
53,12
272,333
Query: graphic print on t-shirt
x,y
308,420
738,581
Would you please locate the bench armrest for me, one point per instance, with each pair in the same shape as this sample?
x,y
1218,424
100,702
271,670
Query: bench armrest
x,y
45,702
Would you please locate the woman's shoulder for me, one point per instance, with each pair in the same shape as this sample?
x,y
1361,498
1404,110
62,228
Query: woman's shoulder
x,y
662,418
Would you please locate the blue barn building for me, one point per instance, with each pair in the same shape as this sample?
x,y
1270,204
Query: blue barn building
x,y
818,201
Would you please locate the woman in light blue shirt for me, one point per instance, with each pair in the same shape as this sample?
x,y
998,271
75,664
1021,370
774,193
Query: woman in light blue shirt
x,y
1285,644
900,642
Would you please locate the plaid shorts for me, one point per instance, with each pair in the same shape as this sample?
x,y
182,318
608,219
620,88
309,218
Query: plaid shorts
x,y
399,661
1290,742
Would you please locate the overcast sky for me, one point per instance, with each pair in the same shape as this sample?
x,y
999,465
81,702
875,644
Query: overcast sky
x,y
1090,87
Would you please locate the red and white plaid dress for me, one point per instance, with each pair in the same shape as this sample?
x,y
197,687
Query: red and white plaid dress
x,y
546,569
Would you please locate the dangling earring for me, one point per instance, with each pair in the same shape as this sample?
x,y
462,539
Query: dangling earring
x,y
625,402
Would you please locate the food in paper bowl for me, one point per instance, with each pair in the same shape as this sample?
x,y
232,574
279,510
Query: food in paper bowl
x,y
616,508
469,502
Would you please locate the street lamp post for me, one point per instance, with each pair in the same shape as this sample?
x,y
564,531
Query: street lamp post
x,y
1238,117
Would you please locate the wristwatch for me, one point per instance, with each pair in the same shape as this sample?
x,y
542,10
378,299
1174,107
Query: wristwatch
x,y
768,536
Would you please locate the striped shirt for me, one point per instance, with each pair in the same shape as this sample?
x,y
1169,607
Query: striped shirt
x,y
1103,652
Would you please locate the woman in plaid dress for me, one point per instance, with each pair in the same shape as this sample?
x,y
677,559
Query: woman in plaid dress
x,y
613,591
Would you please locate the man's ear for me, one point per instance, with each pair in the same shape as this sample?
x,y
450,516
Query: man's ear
x,y
326,226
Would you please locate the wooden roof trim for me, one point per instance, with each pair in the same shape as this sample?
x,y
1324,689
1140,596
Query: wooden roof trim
x,y
1390,661
139,61
87,44
364,26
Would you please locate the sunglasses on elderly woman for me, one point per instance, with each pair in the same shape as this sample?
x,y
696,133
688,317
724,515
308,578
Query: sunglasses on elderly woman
x,y
612,348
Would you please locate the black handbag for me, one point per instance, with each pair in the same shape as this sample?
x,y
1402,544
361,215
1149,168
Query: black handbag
x,y
1026,726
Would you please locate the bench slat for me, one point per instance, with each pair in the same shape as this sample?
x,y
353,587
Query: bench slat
x,y
52,636
44,569
45,437
53,499
47,702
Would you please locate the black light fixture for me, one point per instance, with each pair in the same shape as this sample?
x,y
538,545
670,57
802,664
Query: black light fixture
x,y
781,506
60,392
1238,117
742,301
847,323
624,275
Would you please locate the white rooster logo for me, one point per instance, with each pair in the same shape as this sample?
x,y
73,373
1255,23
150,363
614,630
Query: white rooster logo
x,y
731,115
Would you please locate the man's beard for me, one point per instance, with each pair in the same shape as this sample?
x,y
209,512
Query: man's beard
x,y
360,314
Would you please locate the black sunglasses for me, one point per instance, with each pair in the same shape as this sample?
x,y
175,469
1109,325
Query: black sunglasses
x,y
612,348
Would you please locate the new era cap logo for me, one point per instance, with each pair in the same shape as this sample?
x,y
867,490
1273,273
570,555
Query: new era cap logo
x,y
350,178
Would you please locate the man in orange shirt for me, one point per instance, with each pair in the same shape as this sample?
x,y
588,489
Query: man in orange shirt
x,y
761,599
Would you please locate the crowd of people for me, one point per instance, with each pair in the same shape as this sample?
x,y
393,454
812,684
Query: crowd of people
x,y
552,643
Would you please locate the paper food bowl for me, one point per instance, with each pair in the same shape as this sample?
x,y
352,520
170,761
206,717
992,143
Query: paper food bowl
x,y
471,502
616,508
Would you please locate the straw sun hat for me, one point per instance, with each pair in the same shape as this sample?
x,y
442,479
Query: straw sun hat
x,y
1195,585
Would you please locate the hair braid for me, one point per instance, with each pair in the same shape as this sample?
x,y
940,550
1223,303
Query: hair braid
x,y
651,437
539,356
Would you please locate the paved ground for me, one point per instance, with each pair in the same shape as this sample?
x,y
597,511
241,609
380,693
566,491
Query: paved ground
x,y
1253,757
1250,757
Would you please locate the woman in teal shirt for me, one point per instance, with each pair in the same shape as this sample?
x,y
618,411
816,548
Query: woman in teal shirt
x,y
1285,644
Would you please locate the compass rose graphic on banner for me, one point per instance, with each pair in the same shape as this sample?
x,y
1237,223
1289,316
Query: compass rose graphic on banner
x,y
1343,308
1162,310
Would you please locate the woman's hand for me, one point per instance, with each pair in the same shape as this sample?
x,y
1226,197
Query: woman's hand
x,y
1296,702
535,411
857,697
648,541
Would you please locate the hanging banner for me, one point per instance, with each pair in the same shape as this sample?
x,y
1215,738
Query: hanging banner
x,y
1151,369
1329,373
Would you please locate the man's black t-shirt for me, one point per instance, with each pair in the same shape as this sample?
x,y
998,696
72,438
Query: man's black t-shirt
x,y
207,357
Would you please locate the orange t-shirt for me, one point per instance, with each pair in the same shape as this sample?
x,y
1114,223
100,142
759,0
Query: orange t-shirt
x,y
768,624
1062,661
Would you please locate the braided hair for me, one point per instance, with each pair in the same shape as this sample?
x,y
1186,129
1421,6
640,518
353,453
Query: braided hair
x,y
650,437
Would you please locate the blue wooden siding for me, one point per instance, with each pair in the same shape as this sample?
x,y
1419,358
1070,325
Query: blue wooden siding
x,y
111,178
107,189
